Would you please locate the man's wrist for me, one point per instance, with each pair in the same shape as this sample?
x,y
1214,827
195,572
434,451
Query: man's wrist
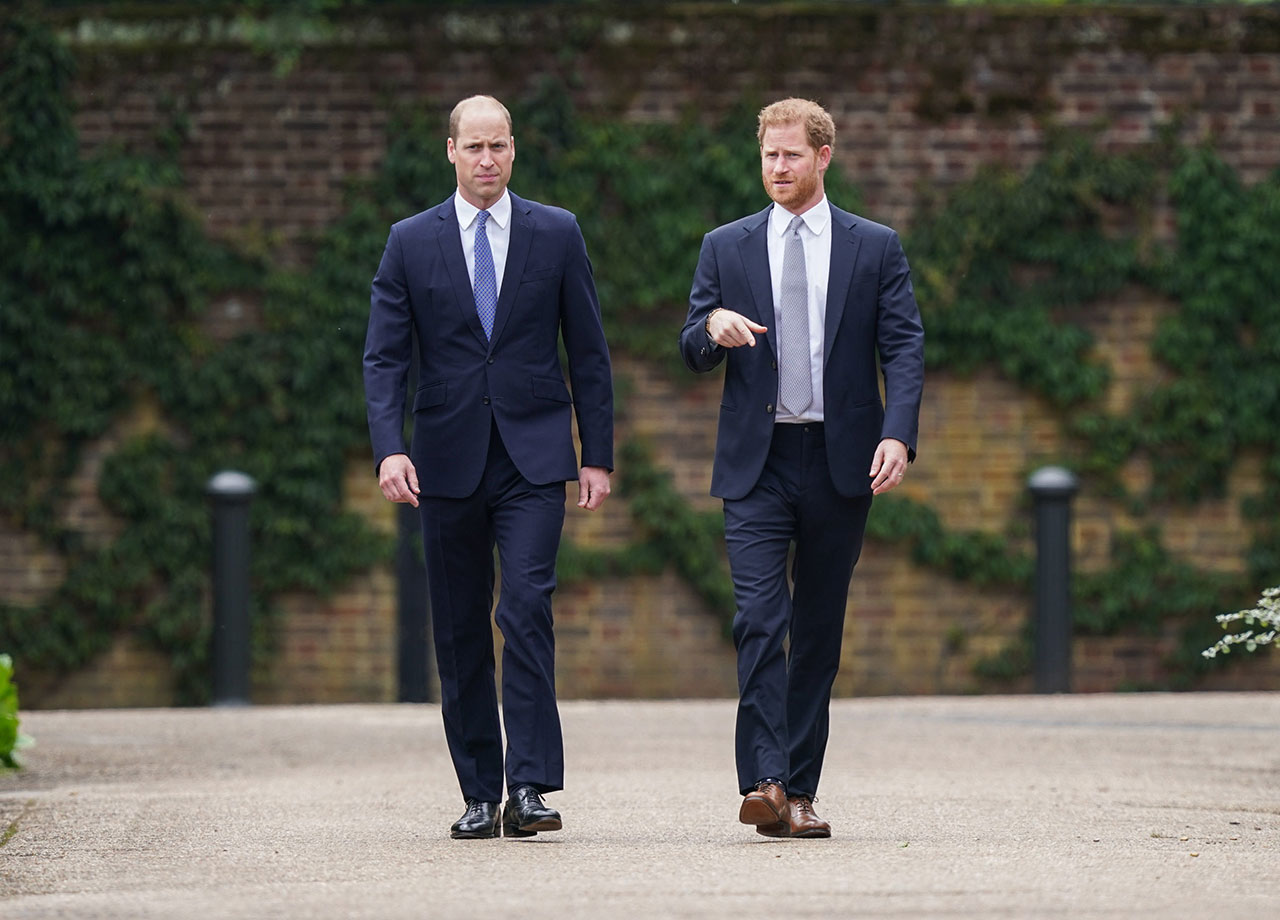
x,y
707,324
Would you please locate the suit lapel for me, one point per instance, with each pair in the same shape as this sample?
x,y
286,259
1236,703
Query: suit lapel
x,y
450,241
518,243
844,252
754,249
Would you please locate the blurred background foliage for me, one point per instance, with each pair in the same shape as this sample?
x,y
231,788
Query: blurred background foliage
x,y
327,6
106,277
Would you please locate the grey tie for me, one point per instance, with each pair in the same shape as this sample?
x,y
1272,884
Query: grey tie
x,y
795,391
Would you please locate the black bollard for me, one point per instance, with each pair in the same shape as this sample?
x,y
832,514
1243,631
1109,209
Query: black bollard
x,y
1052,489
230,493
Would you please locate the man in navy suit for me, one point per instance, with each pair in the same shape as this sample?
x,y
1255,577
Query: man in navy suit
x,y
799,301
485,285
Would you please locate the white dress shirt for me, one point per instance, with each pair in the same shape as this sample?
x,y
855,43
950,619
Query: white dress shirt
x,y
815,234
498,229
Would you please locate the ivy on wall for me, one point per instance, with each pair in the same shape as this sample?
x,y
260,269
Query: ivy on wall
x,y
1001,265
105,278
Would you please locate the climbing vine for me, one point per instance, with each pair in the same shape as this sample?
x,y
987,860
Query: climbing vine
x,y
1076,227
104,280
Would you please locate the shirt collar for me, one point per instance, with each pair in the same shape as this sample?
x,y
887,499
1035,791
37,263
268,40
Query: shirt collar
x,y
499,212
816,218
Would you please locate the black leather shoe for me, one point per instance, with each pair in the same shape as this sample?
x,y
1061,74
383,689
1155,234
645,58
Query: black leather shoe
x,y
526,814
478,822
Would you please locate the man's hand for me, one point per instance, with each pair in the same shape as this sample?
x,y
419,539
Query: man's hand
x,y
593,487
888,465
729,330
398,479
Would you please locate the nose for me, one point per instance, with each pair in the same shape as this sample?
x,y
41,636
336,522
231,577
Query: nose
x,y
486,157
779,165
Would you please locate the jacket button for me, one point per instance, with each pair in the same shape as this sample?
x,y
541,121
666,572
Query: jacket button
x,y
490,361
769,408
486,400
773,365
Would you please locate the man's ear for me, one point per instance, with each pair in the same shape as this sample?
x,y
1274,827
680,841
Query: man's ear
x,y
448,146
824,156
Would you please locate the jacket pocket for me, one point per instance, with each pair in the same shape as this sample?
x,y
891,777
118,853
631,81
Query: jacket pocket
x,y
551,388
433,394
537,273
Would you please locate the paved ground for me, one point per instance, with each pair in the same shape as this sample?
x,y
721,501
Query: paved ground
x,y
1079,806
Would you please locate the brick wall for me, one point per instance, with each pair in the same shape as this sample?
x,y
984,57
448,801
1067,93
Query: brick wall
x,y
922,97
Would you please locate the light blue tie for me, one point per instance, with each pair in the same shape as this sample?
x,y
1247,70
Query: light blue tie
x,y
486,283
795,389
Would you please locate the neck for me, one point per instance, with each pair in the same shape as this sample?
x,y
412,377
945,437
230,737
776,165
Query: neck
x,y
483,204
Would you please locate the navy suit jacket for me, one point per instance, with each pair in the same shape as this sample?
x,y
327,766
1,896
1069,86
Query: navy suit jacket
x,y
871,313
422,294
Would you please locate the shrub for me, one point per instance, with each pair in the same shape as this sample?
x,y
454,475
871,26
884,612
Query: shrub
x,y
1263,621
10,739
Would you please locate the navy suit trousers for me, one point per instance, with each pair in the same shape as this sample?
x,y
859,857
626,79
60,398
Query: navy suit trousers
x,y
784,695
523,521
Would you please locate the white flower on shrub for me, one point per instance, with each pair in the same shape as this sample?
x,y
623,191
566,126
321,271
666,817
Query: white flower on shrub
x,y
1263,622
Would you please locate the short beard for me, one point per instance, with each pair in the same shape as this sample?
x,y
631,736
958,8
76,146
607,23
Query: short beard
x,y
801,190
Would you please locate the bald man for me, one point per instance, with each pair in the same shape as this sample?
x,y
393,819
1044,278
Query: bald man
x,y
485,285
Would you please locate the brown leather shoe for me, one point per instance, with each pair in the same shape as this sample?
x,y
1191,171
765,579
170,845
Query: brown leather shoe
x,y
777,829
804,822
766,804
